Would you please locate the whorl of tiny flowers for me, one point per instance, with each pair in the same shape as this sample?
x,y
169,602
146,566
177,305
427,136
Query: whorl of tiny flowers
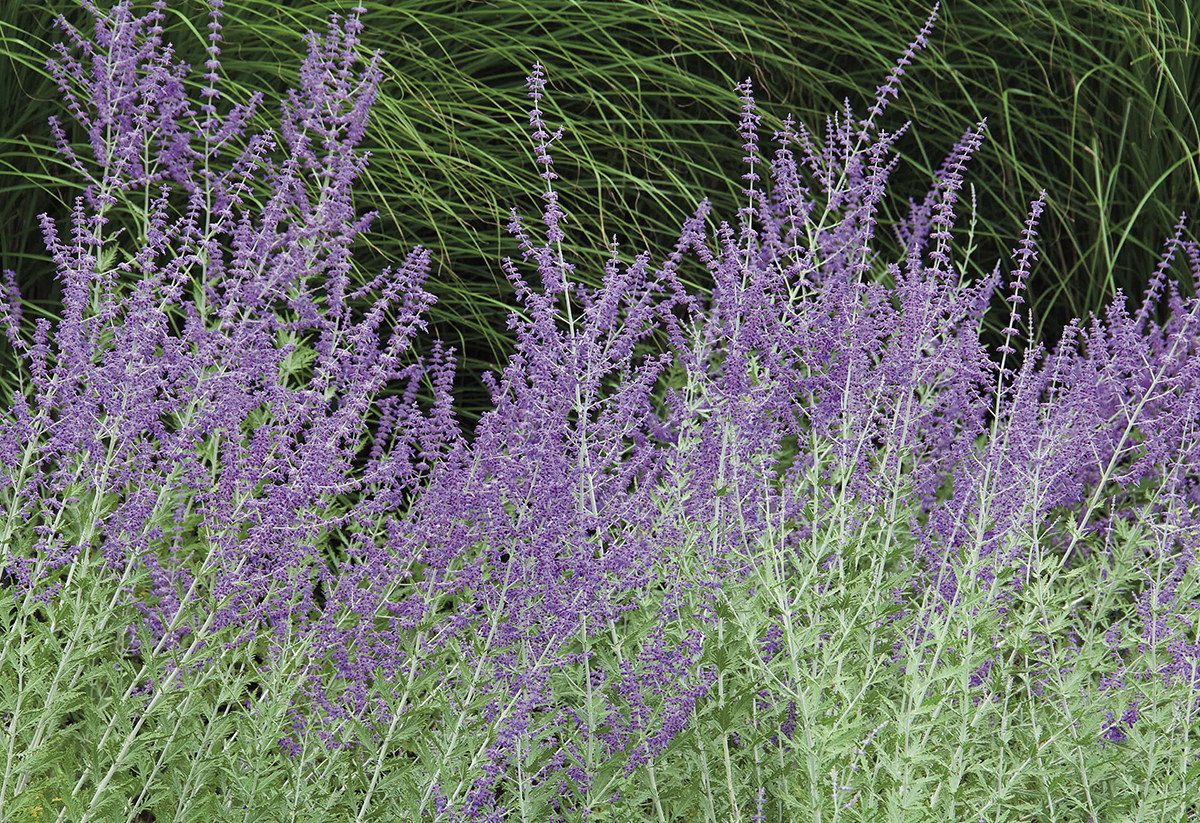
x,y
1024,254
949,180
891,86
1158,280
212,67
792,199
552,214
748,130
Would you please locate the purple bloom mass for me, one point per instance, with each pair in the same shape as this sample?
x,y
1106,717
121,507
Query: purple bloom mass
x,y
220,414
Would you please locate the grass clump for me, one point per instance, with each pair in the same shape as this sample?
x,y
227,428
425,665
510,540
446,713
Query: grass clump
x,y
1092,101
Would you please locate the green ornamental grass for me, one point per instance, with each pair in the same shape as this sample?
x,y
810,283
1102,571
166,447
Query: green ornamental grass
x,y
1093,101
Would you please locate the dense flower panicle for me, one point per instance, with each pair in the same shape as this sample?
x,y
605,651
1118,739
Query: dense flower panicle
x,y
212,410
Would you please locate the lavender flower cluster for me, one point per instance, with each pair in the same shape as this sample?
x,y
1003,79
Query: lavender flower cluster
x,y
219,405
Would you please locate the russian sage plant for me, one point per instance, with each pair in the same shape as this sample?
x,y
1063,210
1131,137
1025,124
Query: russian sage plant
x,y
800,548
